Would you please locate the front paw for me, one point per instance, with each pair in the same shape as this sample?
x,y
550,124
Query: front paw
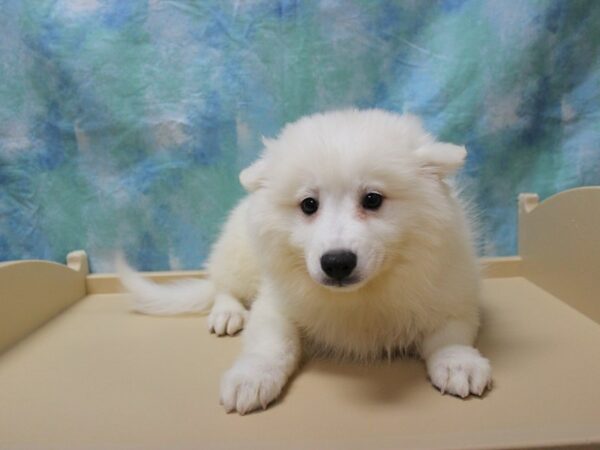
x,y
251,383
459,370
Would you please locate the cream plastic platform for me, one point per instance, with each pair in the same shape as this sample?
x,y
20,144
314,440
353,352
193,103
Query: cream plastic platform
x,y
79,370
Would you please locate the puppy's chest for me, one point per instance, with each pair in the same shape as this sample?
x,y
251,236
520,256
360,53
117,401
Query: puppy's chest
x,y
360,330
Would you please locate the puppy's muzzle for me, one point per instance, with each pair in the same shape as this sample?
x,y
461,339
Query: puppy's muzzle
x,y
338,265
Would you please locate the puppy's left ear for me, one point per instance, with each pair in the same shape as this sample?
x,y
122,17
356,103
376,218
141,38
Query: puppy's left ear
x,y
252,177
440,158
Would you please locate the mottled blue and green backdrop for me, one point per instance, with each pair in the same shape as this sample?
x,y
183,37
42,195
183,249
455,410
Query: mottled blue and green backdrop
x,y
123,124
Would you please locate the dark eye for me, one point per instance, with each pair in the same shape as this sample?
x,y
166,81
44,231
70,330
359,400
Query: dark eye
x,y
372,200
309,206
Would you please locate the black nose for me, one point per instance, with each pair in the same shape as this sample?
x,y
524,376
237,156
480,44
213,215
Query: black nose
x,y
338,264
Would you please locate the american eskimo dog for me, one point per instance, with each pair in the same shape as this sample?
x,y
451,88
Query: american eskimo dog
x,y
351,242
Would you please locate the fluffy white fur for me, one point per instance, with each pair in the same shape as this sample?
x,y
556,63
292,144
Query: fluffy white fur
x,y
415,286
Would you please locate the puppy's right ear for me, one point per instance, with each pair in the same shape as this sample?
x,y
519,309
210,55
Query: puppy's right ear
x,y
252,177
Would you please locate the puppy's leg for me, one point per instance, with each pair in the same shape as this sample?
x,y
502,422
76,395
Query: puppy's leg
x,y
227,315
270,355
453,364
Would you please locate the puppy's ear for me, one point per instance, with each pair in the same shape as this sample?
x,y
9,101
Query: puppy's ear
x,y
252,177
440,158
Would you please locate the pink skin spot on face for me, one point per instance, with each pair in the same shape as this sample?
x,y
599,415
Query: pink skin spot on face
x,y
361,213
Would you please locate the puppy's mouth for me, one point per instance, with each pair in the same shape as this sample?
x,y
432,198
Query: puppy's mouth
x,y
346,284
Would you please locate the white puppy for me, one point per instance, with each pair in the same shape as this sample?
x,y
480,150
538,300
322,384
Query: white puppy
x,y
352,243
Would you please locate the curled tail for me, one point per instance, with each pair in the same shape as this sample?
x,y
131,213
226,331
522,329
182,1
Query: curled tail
x,y
185,296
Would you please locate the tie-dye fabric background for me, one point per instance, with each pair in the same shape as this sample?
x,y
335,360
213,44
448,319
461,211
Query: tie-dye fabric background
x,y
123,124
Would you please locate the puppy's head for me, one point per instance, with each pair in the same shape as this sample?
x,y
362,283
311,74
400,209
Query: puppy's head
x,y
338,195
